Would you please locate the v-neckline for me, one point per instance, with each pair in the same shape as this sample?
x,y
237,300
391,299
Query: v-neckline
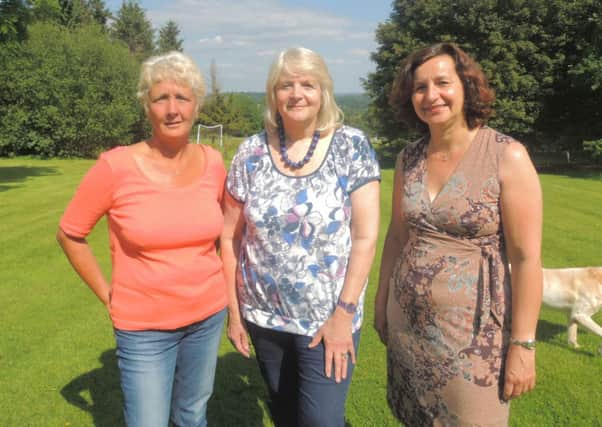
x,y
451,175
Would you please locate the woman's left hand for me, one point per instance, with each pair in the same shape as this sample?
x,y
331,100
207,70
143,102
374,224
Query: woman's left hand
x,y
338,344
520,372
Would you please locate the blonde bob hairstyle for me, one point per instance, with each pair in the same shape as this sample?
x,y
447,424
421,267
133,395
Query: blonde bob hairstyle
x,y
173,66
299,60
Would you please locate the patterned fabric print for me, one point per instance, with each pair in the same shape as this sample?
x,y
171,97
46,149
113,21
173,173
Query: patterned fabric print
x,y
448,312
297,237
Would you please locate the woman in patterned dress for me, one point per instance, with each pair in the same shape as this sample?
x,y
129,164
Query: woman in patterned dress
x,y
301,224
459,329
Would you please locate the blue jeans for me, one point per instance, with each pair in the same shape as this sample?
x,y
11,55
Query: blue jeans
x,y
300,393
169,374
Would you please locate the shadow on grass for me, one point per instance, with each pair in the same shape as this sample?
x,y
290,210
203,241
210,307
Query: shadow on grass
x,y
236,399
549,332
11,176
102,385
238,393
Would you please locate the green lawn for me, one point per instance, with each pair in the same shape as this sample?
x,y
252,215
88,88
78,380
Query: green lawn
x,y
56,348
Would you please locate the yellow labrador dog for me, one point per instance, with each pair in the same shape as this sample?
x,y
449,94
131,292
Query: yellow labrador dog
x,y
578,290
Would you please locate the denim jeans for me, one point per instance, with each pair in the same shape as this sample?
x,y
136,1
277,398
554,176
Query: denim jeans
x,y
300,393
168,374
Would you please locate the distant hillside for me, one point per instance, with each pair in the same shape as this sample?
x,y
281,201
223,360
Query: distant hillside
x,y
353,102
349,102
257,97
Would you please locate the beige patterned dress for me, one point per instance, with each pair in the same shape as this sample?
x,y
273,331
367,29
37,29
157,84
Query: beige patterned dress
x,y
449,302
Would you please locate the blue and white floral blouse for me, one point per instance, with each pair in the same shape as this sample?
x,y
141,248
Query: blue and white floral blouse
x,y
297,238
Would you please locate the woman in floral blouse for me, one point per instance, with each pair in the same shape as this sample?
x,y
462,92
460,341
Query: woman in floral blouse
x,y
301,224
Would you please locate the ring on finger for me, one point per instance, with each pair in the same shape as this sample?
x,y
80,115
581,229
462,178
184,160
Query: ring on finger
x,y
344,355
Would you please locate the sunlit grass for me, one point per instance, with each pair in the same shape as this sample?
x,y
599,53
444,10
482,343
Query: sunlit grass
x,y
56,347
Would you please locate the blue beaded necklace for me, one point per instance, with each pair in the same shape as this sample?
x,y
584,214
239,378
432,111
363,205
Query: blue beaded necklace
x,y
283,154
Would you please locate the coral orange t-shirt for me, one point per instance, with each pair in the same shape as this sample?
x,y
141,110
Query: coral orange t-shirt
x,y
166,272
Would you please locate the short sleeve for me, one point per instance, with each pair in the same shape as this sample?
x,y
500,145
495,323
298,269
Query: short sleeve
x,y
363,166
237,182
91,201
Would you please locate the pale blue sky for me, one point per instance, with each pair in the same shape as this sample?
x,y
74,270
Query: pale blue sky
x,y
243,36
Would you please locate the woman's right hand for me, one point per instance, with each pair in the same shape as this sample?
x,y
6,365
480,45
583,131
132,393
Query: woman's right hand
x,y
238,336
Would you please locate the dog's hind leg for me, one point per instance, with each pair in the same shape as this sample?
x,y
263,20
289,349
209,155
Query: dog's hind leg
x,y
587,322
572,333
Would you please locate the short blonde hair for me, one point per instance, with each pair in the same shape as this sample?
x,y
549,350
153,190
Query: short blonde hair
x,y
173,66
299,60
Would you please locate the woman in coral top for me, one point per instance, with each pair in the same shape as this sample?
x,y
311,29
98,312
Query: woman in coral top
x,y
167,293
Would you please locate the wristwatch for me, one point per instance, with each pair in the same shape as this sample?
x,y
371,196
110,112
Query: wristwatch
x,y
349,307
528,344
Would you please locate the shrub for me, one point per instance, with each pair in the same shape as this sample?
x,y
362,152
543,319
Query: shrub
x,y
595,147
66,93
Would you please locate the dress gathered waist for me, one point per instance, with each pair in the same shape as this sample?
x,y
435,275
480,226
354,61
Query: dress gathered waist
x,y
491,298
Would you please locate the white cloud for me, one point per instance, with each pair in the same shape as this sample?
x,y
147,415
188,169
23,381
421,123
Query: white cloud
x,y
216,40
247,34
244,16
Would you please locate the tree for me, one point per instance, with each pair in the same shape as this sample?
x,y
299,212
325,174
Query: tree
x,y
214,85
66,93
45,11
169,38
69,13
572,114
132,27
14,17
238,113
246,116
99,12
215,110
536,53
74,13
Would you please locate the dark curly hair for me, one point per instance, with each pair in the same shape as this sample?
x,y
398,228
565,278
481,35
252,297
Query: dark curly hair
x,y
478,96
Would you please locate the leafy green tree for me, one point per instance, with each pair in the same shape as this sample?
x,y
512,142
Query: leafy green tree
x,y
14,17
68,13
46,11
99,12
594,148
83,12
536,53
215,111
237,112
169,38
68,17
213,79
66,93
246,115
572,113
133,28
